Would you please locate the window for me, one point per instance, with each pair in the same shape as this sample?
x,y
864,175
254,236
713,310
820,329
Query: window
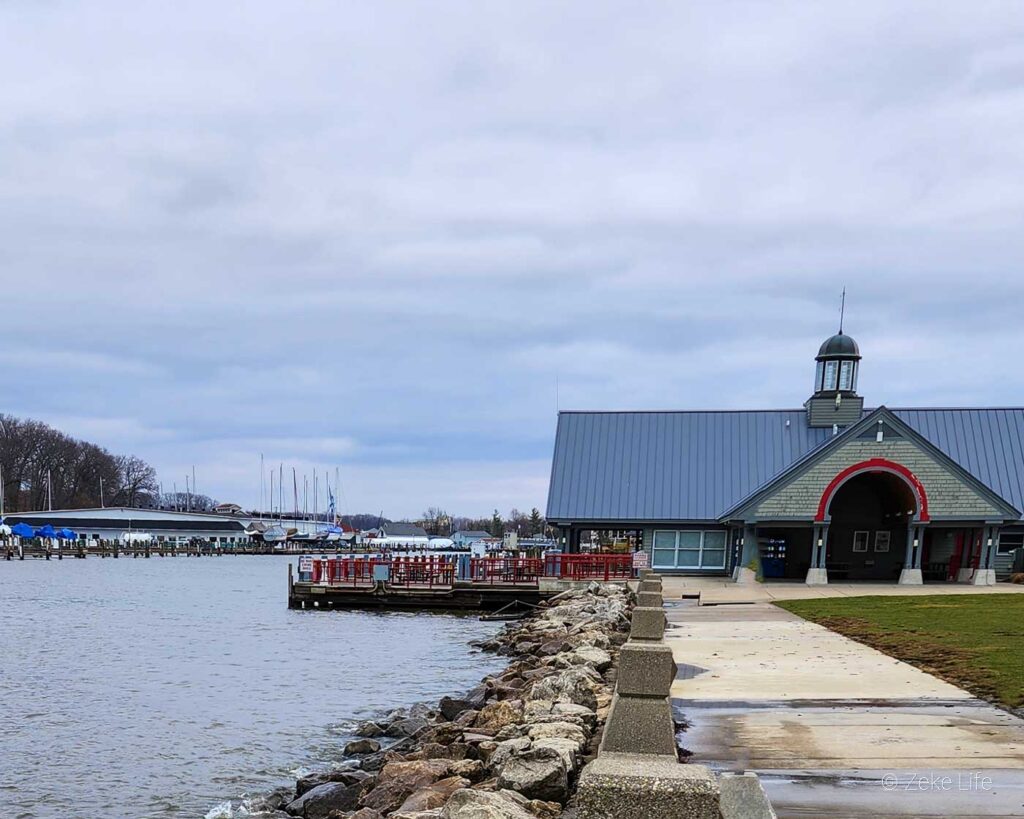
x,y
689,549
846,375
860,541
818,373
882,539
831,368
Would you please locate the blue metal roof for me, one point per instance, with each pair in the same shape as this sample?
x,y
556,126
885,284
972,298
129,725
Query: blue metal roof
x,y
625,466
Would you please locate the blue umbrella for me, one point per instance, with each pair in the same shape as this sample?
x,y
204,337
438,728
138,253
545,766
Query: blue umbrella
x,y
66,534
23,530
46,531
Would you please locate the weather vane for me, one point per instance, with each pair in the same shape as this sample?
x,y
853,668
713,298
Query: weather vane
x,y
842,311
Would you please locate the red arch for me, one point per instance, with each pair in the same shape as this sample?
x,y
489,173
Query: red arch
x,y
875,465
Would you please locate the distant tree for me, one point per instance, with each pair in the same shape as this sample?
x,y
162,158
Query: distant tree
x,y
536,522
138,483
519,522
497,524
436,521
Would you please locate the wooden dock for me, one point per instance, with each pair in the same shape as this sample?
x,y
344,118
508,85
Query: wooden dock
x,y
413,592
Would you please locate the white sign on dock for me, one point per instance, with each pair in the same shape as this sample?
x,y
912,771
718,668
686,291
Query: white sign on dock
x,y
306,564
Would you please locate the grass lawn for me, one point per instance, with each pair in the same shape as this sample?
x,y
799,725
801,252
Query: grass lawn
x,y
973,641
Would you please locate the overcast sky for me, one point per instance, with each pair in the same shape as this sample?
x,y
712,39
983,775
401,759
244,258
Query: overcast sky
x,y
394,238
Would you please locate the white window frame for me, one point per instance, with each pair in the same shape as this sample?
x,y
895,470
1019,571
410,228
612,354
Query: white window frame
x,y
882,544
676,533
867,540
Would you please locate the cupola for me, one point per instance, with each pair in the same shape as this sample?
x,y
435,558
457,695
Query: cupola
x,y
835,402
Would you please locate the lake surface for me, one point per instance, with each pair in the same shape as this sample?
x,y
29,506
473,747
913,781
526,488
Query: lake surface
x,y
167,687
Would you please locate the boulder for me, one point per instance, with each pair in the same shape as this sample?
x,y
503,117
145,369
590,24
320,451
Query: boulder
x,y
573,685
362,746
566,748
450,708
471,769
367,813
497,715
397,780
538,773
466,718
560,730
318,802
369,728
433,796
406,727
472,804
508,749
597,658
572,709
343,775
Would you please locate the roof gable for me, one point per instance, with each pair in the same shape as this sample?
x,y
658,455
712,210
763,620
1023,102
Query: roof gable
x,y
955,492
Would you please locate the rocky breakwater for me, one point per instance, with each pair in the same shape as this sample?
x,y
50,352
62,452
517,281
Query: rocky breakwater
x,y
510,748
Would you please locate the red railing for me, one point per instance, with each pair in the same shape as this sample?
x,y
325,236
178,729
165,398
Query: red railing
x,y
422,572
589,567
503,571
347,571
435,571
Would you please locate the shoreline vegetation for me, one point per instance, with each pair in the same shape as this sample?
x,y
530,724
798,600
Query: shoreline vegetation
x,y
975,642
509,748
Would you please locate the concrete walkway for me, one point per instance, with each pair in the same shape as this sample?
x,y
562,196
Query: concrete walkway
x,y
833,727
718,590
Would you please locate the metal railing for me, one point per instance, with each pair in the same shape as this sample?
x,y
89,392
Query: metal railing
x,y
589,567
520,571
429,572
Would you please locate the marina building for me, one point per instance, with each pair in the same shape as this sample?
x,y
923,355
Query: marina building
x,y
110,523
830,490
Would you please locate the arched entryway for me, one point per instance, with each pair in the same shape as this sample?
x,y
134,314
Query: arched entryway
x,y
868,517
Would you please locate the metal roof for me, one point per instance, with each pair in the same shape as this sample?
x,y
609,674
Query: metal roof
x,y
140,523
626,466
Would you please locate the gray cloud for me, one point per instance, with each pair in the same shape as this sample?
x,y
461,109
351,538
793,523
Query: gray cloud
x,y
375,237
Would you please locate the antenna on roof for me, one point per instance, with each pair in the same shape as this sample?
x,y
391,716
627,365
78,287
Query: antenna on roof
x,y
842,311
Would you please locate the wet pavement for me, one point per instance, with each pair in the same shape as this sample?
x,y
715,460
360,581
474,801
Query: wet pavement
x,y
835,728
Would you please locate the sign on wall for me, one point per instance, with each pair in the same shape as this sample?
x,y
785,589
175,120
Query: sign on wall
x,y
640,560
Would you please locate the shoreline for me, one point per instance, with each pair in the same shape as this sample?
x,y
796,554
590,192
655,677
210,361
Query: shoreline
x,y
512,746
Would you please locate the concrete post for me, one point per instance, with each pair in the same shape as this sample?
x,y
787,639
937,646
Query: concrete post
x,y
640,719
911,572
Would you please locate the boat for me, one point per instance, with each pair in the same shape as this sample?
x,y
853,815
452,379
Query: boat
x,y
275,534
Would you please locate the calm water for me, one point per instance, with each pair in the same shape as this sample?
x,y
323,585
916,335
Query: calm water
x,y
164,687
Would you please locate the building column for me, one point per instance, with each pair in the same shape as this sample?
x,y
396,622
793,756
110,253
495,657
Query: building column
x,y
966,573
986,572
911,573
749,561
817,574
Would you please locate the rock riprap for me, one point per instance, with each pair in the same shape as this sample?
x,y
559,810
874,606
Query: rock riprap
x,y
511,747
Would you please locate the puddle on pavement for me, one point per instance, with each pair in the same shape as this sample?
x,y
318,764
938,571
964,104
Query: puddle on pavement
x,y
688,672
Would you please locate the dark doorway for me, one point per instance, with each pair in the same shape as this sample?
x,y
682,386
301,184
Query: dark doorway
x,y
867,535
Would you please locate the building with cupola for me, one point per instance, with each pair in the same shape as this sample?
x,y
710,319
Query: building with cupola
x,y
833,490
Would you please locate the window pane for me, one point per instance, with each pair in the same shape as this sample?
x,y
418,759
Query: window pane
x,y
689,558
664,540
714,540
714,559
846,376
665,558
830,374
689,540
818,373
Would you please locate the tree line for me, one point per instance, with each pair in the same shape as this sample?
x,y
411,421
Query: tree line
x,y
438,522
42,466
